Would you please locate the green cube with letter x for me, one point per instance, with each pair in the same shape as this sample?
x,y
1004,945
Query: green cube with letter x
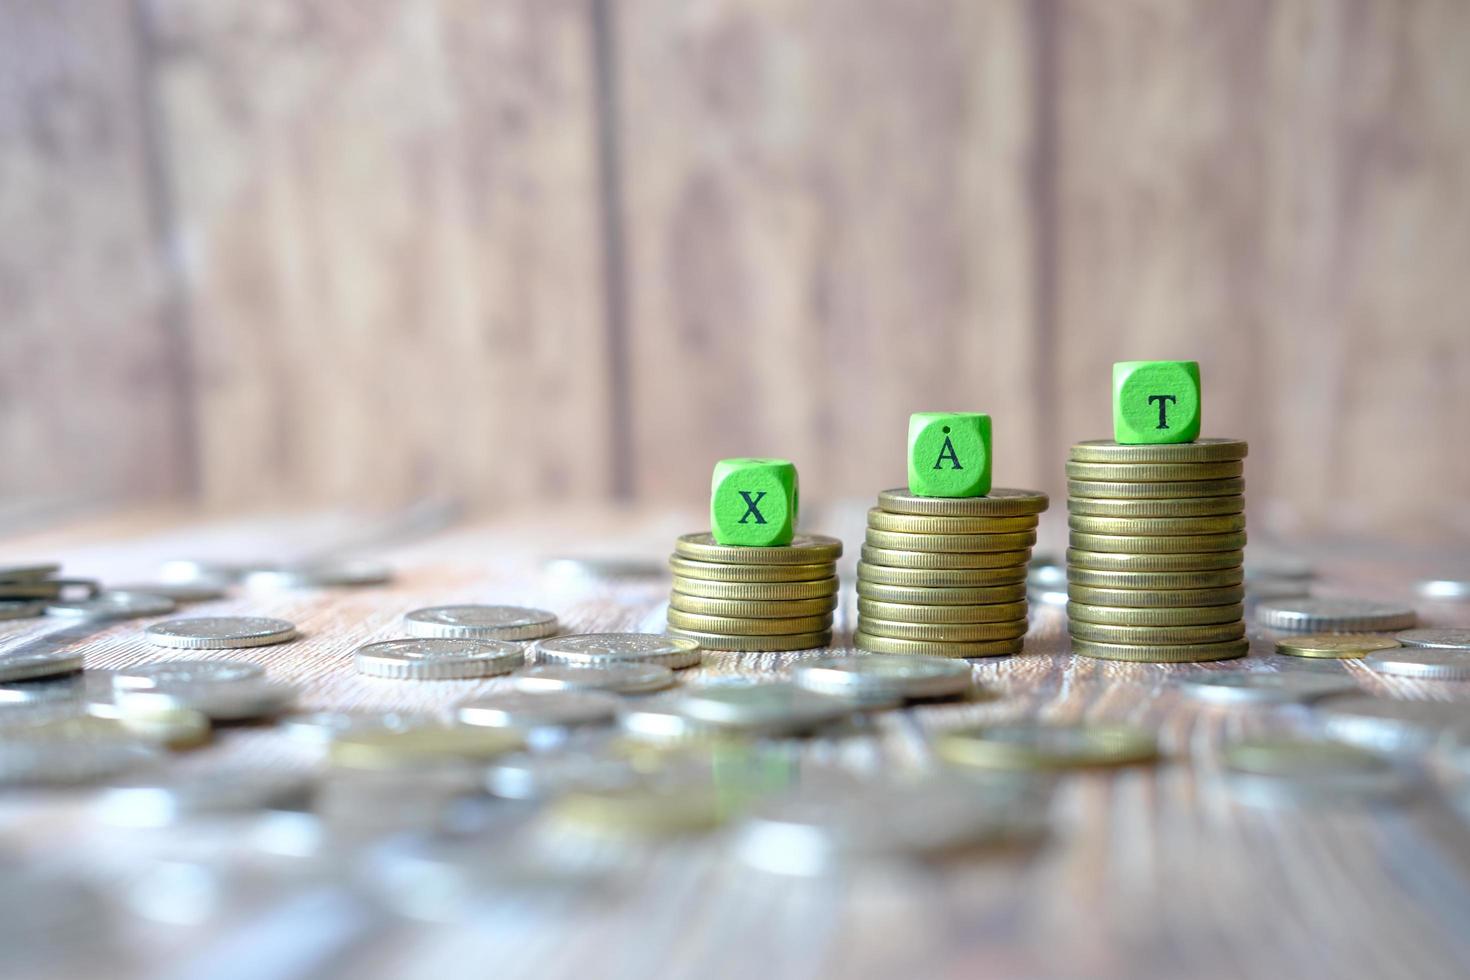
x,y
1155,402
949,454
753,502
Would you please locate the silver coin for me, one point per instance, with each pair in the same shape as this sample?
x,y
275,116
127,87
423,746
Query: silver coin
x,y
168,673
160,800
21,609
875,676
78,686
481,622
1444,588
197,591
1307,770
322,726
1424,663
544,709
244,701
543,775
319,575
26,666
624,678
220,632
1388,724
673,652
776,707
439,658
114,605
1256,687
1440,639
28,573
1329,614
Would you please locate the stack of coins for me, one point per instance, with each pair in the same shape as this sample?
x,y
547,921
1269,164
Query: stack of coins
x,y
730,597
1154,571
946,576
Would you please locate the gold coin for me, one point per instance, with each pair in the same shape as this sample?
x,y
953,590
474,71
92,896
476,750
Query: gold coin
x,y
1232,487
756,644
1183,507
410,748
928,648
1220,524
756,591
951,543
1176,544
737,626
881,520
1209,579
962,578
1105,561
708,571
1149,653
1154,472
939,596
1156,635
896,612
999,502
1033,745
941,560
752,608
1156,598
1335,646
1199,451
1157,616
943,633
642,812
804,549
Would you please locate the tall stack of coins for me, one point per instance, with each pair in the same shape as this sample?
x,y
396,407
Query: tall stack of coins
x,y
946,576
732,597
1154,571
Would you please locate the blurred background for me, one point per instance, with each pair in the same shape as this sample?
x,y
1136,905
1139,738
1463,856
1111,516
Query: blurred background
x,y
261,254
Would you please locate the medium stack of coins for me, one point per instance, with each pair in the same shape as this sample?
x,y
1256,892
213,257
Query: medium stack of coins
x,y
946,576
729,597
1154,571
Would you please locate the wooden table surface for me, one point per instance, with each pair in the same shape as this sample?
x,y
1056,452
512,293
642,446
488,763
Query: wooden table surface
x,y
1154,871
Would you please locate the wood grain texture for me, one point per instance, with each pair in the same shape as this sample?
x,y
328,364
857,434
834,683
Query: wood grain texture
x,y
1152,872
828,226
89,371
390,211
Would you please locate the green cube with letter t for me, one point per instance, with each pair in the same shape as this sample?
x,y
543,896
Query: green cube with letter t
x,y
949,454
753,502
1155,402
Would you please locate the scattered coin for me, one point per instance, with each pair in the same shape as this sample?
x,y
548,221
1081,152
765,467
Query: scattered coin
x,y
710,571
1199,451
319,575
825,588
673,652
657,720
244,701
1292,768
1444,588
167,673
623,678
756,643
179,592
220,632
1000,502
29,666
78,686
804,549
930,648
415,747
114,605
1032,745
771,708
879,677
165,799
70,751
1334,645
882,520
940,560
173,727
549,775
542,709
1424,663
950,544
1242,687
439,658
1389,724
1229,487
322,726
1334,615
481,622
1441,639
642,812
1158,616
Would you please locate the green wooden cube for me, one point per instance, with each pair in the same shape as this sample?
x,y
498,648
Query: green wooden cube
x,y
949,454
1155,402
753,502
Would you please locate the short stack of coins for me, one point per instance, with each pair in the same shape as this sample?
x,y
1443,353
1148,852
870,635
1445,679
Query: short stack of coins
x,y
1154,571
946,576
732,597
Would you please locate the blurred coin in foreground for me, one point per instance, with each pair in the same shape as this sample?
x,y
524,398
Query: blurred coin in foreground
x,y
885,677
541,709
1241,687
1390,724
1031,745
771,707
33,666
1423,663
114,605
623,678
245,701
415,747
165,673
1270,770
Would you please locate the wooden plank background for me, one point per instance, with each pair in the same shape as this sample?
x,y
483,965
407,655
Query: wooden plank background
x,y
266,252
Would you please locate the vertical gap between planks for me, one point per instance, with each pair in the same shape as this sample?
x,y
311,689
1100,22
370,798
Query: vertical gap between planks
x,y
613,246
174,309
1043,185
